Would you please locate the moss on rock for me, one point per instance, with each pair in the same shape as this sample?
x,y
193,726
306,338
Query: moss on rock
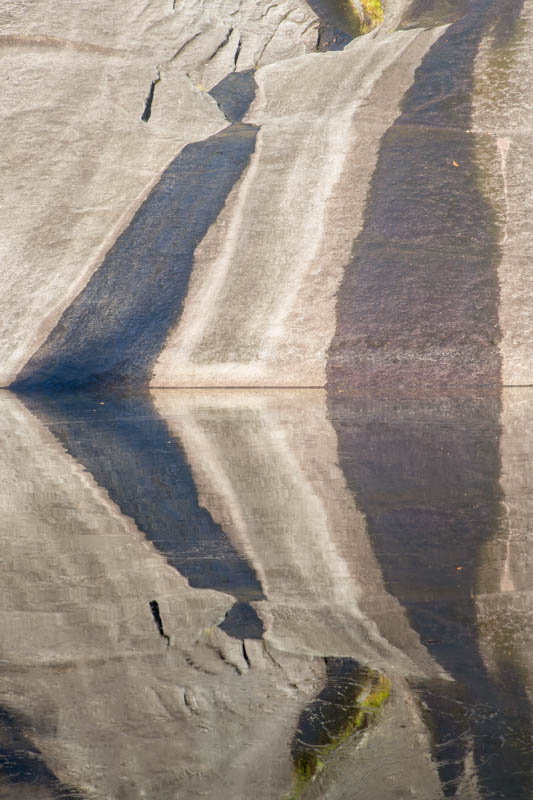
x,y
311,758
372,14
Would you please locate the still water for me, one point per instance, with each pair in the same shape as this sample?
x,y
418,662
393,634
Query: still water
x,y
264,595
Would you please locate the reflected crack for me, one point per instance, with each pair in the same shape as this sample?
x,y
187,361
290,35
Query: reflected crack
x,y
154,607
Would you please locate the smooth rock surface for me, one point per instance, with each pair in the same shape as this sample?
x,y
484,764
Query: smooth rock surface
x,y
268,319
78,158
503,121
179,705
365,534
376,235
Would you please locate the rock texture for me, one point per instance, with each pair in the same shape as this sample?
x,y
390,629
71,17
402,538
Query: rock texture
x,y
260,309
366,228
98,100
502,120
392,534
117,699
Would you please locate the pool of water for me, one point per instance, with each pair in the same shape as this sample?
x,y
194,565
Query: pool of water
x,y
266,594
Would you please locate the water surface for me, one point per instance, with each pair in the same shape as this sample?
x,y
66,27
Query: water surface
x,y
274,593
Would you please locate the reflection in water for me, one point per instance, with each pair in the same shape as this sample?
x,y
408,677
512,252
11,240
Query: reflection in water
x,y
23,773
209,593
344,707
128,449
426,475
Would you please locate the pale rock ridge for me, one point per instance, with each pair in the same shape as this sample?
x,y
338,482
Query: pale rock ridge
x,y
505,597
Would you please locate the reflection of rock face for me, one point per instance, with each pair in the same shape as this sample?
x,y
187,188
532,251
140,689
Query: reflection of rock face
x,y
426,472
265,467
505,584
113,709
204,709
96,615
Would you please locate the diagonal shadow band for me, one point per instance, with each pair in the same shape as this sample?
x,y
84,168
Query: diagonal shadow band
x,y
114,330
123,442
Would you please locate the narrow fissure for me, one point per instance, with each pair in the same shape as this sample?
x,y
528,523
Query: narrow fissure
x,y
147,113
156,614
237,53
222,44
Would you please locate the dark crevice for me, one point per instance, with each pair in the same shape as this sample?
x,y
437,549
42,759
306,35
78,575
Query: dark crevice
x,y
245,654
330,39
222,44
154,607
229,663
237,53
339,24
147,113
241,621
234,94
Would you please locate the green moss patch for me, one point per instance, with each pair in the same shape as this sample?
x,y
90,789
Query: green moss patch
x,y
345,707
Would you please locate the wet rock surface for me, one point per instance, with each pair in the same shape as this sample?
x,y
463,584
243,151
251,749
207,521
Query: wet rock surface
x,y
338,605
265,511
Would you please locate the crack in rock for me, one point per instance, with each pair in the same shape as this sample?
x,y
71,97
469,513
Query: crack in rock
x,y
154,607
147,113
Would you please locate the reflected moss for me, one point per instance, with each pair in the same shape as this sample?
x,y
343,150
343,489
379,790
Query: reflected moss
x,y
353,17
345,707
372,14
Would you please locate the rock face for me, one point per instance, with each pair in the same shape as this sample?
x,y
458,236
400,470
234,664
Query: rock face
x,y
99,99
359,221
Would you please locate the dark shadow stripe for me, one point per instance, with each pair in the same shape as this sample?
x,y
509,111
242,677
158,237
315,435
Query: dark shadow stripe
x,y
234,94
428,13
425,473
126,446
418,303
114,330
22,765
